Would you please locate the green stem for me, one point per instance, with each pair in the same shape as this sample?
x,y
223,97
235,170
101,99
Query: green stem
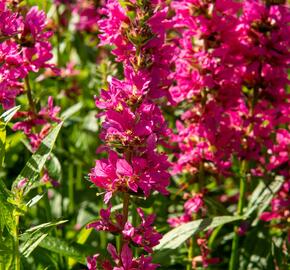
x,y
134,223
29,95
71,188
16,244
190,254
234,260
126,202
201,177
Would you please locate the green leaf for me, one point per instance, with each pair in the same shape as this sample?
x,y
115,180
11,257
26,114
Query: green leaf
x,y
36,162
6,251
174,238
262,196
4,119
6,216
31,243
7,116
35,235
71,250
71,111
34,200
53,167
45,225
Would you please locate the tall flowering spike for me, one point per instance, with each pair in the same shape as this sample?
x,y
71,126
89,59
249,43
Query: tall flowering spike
x,y
25,48
228,55
133,123
131,116
231,72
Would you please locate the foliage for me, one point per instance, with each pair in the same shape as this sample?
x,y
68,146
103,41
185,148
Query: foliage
x,y
144,134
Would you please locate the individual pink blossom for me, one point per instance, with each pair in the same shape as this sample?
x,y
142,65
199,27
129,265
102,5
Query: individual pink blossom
x,y
125,260
92,262
106,223
43,118
194,204
143,235
10,23
22,183
116,174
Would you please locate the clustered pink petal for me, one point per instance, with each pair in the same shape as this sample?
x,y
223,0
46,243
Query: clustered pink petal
x,y
44,119
122,261
230,53
25,48
231,76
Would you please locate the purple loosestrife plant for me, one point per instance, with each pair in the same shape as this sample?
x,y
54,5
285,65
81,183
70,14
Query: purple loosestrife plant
x,y
133,124
24,49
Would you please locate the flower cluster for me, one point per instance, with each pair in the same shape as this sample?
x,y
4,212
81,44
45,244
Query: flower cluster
x,y
37,125
85,11
231,77
25,48
191,206
125,260
133,123
235,74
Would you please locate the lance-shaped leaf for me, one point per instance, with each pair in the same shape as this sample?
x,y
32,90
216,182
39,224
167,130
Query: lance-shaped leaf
x,y
4,119
174,238
36,162
71,250
262,196
6,209
33,236
71,111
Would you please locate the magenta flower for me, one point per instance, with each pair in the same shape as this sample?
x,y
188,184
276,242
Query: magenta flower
x,y
143,235
44,118
34,25
106,223
115,174
92,262
10,23
125,260
194,204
